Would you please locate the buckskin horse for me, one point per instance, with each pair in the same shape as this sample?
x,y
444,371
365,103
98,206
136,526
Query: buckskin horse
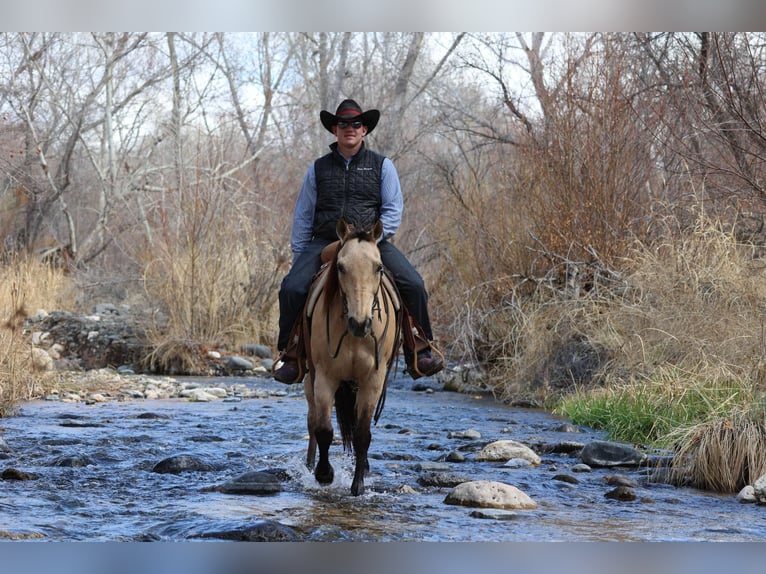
x,y
352,325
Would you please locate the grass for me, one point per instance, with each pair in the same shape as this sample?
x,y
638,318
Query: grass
x,y
653,411
27,285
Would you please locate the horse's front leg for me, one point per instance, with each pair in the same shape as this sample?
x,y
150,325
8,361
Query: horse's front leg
x,y
323,433
362,439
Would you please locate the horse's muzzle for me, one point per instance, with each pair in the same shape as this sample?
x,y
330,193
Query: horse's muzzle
x,y
360,329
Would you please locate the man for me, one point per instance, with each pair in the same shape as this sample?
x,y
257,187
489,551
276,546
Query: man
x,y
361,186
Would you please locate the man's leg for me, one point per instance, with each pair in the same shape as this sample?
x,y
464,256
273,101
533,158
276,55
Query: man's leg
x,y
292,298
415,297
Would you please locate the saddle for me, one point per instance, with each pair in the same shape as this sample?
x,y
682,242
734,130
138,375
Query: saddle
x,y
411,334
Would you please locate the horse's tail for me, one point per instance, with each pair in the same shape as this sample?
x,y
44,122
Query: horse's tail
x,y
345,407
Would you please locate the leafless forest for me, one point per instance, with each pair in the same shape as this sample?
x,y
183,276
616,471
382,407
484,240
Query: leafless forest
x,y
162,168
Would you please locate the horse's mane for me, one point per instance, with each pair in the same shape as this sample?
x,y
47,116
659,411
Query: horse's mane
x,y
331,286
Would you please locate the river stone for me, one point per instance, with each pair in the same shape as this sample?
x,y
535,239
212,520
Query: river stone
x,y
73,461
15,474
604,453
621,493
505,450
445,479
261,531
256,482
182,463
4,446
747,494
490,494
236,363
759,489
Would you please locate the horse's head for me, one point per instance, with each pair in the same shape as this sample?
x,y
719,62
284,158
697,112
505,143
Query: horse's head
x,y
359,271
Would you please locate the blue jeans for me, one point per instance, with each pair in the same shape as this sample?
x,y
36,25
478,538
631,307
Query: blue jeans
x,y
295,286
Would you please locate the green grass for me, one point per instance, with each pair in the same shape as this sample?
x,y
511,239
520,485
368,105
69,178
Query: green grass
x,y
652,411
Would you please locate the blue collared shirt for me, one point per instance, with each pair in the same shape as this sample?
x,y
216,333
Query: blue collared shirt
x,y
392,204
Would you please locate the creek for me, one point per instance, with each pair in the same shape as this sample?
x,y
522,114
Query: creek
x,y
91,475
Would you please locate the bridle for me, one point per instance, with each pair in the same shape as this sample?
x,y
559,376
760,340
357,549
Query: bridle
x,y
378,342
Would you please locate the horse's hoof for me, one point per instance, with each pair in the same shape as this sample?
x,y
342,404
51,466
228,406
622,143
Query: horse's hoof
x,y
324,475
357,489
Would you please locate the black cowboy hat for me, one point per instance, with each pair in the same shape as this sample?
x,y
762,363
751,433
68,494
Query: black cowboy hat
x,y
350,110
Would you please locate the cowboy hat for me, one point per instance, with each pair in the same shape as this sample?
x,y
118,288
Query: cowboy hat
x,y
350,110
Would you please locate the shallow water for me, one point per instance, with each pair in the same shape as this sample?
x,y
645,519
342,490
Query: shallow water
x,y
116,497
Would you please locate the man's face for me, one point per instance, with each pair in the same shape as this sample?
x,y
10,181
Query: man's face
x,y
349,137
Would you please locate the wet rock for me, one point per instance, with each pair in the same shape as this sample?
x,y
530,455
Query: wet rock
x,y
425,466
455,456
620,480
505,450
182,463
14,474
581,467
517,463
568,478
567,427
152,416
471,434
4,446
494,514
256,482
565,447
490,494
621,493
441,479
73,461
603,453
206,438
262,531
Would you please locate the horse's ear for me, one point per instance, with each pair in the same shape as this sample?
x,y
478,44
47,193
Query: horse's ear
x,y
341,229
377,230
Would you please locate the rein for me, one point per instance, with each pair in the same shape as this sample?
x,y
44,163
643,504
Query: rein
x,y
344,314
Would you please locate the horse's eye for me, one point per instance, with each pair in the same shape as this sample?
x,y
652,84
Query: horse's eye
x,y
341,268
379,268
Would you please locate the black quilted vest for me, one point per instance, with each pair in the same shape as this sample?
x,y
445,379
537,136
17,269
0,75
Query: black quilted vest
x,y
352,193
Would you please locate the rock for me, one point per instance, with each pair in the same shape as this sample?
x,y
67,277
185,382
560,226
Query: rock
x,y
565,447
603,453
517,463
257,482
455,456
620,480
471,434
441,479
14,474
505,450
4,446
235,363
581,468
621,493
262,531
182,463
258,351
568,478
42,362
490,494
73,461
747,494
759,489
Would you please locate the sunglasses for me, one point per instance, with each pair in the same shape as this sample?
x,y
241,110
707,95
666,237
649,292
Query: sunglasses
x,y
343,125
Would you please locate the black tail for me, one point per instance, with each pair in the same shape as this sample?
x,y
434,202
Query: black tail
x,y
345,409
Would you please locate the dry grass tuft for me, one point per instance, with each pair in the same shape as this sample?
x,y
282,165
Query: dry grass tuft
x,y
27,284
724,453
